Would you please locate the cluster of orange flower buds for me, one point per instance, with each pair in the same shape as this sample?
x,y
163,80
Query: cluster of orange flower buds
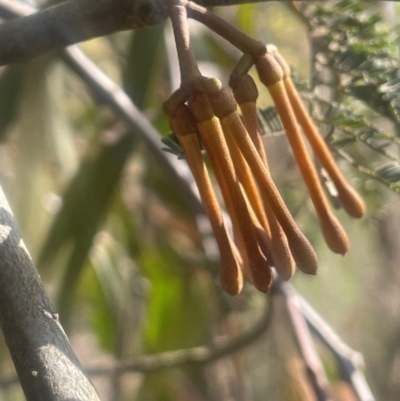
x,y
202,113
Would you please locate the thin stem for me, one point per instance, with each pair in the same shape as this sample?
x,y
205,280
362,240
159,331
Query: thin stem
x,y
201,355
315,370
184,126
352,202
246,94
198,355
187,61
233,35
351,362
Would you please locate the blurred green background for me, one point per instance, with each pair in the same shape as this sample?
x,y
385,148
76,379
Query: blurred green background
x,y
115,237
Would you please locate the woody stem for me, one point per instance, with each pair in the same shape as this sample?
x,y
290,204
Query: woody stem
x,y
233,35
187,62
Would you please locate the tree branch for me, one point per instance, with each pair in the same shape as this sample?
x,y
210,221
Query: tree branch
x,y
166,360
351,362
46,365
76,21
73,22
315,371
111,94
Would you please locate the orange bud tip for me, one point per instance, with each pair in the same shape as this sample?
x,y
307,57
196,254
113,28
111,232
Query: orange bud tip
x,y
335,236
305,256
232,289
262,278
352,202
285,271
230,273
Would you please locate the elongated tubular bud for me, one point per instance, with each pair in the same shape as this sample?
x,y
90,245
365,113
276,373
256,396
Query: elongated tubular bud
x,y
260,233
351,200
214,142
246,93
278,247
243,172
284,263
301,249
183,124
334,234
263,237
250,192
237,234
275,245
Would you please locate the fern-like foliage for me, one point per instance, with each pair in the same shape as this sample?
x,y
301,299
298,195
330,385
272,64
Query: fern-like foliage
x,y
355,93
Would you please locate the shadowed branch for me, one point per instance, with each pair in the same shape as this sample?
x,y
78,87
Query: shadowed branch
x,y
47,367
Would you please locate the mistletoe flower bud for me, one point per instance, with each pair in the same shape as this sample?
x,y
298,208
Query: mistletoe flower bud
x,y
246,94
334,234
352,202
214,142
301,249
184,125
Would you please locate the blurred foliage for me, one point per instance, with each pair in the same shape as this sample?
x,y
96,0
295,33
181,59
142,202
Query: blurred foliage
x,y
120,252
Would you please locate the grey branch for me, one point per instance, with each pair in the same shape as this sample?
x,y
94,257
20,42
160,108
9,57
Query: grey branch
x,y
350,361
46,365
76,21
72,22
315,371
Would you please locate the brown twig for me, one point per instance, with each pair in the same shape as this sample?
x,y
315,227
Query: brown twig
x,y
350,362
315,370
202,355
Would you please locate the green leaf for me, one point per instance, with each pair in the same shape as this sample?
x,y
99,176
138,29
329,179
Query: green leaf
x,y
10,89
141,64
390,172
172,145
176,312
84,206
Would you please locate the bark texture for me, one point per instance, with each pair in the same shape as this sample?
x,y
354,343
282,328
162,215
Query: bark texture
x,y
47,366
75,21
71,22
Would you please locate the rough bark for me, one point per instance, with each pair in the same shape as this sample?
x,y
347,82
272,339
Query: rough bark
x,y
76,21
72,22
47,366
